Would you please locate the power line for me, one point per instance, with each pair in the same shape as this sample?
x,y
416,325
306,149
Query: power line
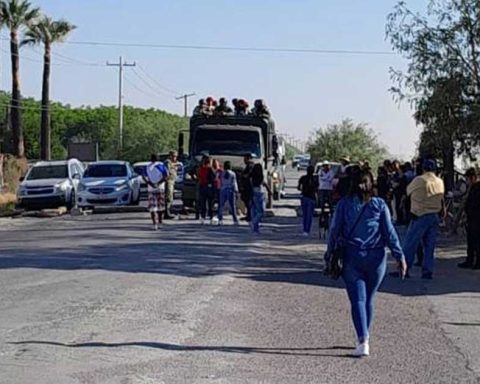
x,y
157,83
138,89
147,83
233,48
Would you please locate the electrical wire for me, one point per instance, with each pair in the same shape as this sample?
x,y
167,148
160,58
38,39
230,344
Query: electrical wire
x,y
142,79
173,92
232,48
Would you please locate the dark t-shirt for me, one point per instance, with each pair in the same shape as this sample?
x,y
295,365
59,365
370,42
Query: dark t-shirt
x,y
472,205
308,186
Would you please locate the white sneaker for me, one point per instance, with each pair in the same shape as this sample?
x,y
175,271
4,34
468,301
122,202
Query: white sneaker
x,y
306,234
202,221
362,349
155,227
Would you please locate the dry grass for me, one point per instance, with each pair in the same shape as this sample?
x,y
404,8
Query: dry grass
x,y
13,169
7,198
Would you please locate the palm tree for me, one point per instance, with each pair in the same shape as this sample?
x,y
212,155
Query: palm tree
x,y
47,32
16,15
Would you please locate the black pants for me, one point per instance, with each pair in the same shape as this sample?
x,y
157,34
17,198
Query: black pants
x,y
247,199
473,243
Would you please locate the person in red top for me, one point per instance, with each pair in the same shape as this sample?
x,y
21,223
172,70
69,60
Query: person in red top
x,y
206,178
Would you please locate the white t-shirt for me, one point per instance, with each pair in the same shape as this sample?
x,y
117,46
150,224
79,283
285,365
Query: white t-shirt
x,y
325,180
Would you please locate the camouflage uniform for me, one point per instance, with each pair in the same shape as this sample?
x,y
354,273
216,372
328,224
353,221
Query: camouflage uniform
x,y
170,184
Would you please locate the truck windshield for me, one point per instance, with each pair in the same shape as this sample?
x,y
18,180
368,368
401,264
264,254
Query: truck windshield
x,y
48,172
227,142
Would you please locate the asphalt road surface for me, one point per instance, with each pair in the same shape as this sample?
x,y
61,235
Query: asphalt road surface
x,y
104,299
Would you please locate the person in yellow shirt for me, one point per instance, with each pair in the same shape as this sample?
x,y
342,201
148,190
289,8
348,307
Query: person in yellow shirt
x,y
427,194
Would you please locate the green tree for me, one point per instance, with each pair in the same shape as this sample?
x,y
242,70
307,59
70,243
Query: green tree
x,y
347,139
47,32
17,15
442,78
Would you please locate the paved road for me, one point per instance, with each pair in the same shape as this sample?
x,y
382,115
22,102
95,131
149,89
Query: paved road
x,y
103,299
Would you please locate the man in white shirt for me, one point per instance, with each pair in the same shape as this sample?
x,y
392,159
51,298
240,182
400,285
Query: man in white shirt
x,y
325,182
155,176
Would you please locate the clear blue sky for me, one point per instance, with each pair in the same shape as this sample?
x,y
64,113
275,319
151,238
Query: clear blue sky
x,y
304,91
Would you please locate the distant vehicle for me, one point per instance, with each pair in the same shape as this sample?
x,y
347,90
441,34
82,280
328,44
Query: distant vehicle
x,y
108,183
296,159
303,164
50,184
140,170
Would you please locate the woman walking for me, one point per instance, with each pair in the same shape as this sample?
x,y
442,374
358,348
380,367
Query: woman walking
x,y
258,197
228,192
363,226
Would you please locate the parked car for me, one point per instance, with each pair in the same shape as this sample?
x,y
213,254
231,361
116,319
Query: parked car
x,y
108,183
50,184
140,170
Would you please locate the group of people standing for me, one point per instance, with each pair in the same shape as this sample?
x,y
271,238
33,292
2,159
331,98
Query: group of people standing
x,y
363,227
219,183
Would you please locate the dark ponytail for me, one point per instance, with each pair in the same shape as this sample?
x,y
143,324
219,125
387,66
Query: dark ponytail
x,y
361,183
227,166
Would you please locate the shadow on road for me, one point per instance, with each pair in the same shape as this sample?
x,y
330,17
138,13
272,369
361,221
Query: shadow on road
x,y
312,351
187,249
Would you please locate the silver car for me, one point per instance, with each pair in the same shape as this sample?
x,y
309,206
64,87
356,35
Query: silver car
x,y
49,184
108,183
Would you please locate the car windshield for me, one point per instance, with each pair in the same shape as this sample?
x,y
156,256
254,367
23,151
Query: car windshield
x,y
48,172
106,170
227,142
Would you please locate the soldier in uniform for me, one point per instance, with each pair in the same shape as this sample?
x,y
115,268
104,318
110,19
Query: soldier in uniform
x,y
223,108
172,167
201,108
260,109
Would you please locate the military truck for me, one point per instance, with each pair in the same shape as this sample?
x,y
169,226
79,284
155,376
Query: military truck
x,y
228,137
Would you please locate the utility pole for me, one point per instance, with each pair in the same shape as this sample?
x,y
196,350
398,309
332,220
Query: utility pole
x,y
185,101
121,64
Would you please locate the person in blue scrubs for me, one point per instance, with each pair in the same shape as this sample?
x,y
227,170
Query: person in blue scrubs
x,y
365,257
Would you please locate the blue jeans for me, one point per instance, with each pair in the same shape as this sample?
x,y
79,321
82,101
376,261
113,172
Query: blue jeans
x,y
206,202
227,194
363,273
308,208
258,200
422,231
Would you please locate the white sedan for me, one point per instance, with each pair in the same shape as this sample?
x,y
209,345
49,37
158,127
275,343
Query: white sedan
x,y
108,183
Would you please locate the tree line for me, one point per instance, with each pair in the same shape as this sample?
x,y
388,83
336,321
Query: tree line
x,y
146,131
442,77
